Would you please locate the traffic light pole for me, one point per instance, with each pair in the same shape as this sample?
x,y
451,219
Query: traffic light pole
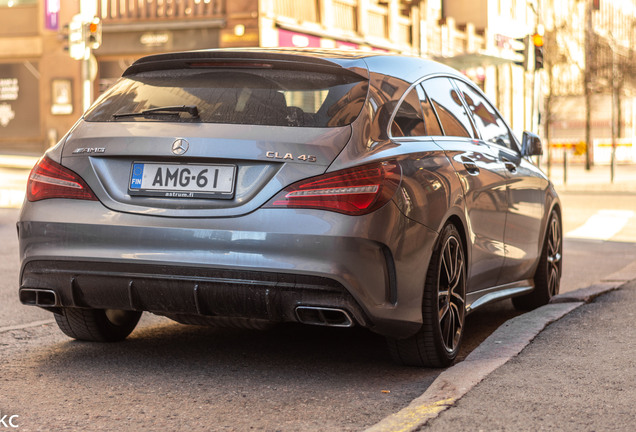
x,y
88,10
87,84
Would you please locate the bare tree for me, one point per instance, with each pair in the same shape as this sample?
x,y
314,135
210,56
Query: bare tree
x,y
563,62
612,65
601,65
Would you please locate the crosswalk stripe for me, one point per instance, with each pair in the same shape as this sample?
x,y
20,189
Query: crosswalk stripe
x,y
603,225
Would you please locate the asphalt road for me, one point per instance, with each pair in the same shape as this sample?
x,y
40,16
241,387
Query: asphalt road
x,y
172,377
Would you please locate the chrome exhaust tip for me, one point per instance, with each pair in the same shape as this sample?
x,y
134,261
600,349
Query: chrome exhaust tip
x,y
39,297
323,316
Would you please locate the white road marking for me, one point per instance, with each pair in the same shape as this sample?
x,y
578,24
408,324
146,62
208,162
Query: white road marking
x,y
604,225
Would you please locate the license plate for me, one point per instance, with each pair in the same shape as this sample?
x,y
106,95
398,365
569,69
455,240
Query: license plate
x,y
182,180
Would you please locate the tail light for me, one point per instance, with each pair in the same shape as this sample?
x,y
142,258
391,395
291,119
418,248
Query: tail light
x,y
49,179
354,191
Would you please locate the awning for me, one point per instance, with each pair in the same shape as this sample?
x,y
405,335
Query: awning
x,y
476,59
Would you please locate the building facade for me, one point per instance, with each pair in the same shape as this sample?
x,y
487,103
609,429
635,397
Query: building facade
x,y
41,86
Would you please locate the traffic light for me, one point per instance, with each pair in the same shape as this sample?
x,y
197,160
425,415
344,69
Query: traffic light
x,y
537,41
63,35
76,42
521,48
94,33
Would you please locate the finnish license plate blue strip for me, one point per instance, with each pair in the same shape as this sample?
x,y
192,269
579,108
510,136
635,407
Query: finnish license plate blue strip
x,y
137,174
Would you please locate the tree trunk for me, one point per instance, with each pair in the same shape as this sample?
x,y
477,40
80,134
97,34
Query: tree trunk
x,y
588,123
619,111
587,76
547,118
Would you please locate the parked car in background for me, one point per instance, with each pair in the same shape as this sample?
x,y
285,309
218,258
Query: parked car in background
x,y
241,187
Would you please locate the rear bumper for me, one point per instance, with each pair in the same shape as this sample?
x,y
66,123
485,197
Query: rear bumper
x,y
262,265
176,291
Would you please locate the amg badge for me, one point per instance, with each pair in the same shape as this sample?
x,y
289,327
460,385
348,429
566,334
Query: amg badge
x,y
89,150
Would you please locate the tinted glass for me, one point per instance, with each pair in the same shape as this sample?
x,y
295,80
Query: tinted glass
x,y
430,119
408,119
490,125
245,96
449,107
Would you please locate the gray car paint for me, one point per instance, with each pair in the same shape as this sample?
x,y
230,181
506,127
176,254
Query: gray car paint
x,y
345,248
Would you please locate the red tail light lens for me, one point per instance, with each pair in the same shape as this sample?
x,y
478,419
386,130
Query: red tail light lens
x,y
49,179
354,191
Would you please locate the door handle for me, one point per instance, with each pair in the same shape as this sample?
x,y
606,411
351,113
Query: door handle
x,y
510,166
470,165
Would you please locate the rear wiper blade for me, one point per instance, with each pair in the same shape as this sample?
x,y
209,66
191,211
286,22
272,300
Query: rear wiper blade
x,y
169,110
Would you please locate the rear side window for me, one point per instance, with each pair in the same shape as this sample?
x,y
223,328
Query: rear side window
x,y
408,119
430,120
238,96
449,107
491,126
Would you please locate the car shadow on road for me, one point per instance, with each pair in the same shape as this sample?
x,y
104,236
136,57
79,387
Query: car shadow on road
x,y
292,376
294,347
286,352
317,374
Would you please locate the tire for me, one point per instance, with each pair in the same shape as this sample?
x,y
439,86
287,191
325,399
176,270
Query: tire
x,y
443,308
97,325
547,279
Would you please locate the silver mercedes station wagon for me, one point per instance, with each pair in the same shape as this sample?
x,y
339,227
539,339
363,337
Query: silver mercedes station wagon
x,y
244,187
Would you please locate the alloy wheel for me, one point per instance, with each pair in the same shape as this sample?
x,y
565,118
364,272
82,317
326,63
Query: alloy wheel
x,y
554,256
451,293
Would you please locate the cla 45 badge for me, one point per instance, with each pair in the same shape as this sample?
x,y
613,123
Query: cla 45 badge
x,y
289,156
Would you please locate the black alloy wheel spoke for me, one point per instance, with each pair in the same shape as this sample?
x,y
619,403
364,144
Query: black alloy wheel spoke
x,y
457,277
552,282
450,325
555,239
444,307
447,264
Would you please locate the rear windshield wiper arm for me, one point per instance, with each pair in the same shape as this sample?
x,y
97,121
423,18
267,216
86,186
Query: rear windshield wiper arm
x,y
169,110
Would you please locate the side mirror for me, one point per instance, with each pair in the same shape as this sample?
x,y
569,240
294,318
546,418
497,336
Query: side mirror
x,y
531,144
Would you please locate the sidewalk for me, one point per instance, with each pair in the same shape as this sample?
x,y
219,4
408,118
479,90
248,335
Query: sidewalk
x,y
597,179
14,171
18,161
576,375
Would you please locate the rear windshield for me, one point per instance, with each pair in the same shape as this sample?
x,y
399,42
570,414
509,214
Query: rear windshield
x,y
237,96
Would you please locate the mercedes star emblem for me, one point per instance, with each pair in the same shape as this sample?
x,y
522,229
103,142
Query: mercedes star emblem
x,y
180,146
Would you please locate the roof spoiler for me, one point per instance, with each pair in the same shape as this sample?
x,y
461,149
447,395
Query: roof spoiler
x,y
292,60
